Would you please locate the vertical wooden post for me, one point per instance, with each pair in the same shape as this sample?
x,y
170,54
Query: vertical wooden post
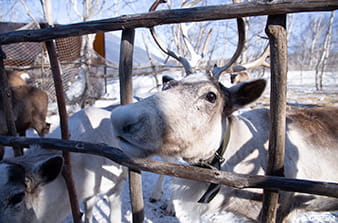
x,y
276,30
126,66
7,103
126,96
67,173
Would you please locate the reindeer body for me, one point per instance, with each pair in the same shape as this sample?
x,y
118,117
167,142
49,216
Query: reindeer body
x,y
189,120
93,175
30,106
247,154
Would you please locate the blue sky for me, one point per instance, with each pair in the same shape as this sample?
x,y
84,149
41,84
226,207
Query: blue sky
x,y
13,10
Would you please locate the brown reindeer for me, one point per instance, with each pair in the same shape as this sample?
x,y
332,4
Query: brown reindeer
x,y
29,107
29,110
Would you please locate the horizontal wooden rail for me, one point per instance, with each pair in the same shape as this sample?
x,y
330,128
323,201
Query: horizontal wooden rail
x,y
161,17
189,172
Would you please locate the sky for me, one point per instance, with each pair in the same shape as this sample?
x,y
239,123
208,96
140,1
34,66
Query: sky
x,y
64,13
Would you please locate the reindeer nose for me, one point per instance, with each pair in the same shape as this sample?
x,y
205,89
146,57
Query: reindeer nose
x,y
125,121
127,128
131,126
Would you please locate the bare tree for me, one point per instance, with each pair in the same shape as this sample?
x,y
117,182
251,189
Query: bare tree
x,y
200,43
324,55
92,9
312,43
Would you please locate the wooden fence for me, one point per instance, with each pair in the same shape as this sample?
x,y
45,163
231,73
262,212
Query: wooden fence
x,y
276,31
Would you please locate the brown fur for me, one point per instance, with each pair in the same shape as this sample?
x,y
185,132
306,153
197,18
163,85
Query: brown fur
x,y
236,78
320,125
15,79
30,106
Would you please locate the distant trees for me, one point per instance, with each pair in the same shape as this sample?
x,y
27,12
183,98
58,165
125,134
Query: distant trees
x,y
312,45
324,53
92,9
313,39
204,44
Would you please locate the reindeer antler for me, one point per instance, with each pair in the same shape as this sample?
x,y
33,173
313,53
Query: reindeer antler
x,y
216,71
260,61
182,60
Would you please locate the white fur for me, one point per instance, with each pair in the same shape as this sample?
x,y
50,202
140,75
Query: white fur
x,y
246,154
93,175
25,76
182,122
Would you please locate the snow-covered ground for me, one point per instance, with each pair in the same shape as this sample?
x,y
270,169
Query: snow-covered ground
x,y
155,212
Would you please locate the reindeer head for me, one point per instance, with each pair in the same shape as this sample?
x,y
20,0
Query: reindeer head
x,y
21,181
187,119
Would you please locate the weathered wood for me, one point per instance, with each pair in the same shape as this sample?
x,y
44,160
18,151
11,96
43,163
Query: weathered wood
x,y
276,31
66,172
126,66
6,96
126,97
2,152
136,195
239,181
150,19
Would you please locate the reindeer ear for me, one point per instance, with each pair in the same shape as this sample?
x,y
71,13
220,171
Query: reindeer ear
x,y
244,93
168,82
166,79
48,170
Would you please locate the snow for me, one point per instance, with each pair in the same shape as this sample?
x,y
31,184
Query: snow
x,y
155,212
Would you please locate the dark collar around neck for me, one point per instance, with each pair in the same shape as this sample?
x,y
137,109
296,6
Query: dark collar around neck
x,y
215,162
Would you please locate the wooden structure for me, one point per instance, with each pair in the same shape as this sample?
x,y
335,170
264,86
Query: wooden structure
x,y
25,53
275,28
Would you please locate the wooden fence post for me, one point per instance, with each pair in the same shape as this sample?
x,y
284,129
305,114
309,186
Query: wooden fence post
x,y
276,30
66,172
7,104
126,96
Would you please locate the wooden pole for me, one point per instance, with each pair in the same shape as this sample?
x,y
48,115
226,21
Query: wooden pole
x,y
66,172
126,66
126,96
6,96
232,179
276,31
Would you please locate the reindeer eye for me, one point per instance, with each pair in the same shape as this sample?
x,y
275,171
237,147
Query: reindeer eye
x,y
211,97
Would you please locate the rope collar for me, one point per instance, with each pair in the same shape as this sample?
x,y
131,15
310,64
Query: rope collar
x,y
215,163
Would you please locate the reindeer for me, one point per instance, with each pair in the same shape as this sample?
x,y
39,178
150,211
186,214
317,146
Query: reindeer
x,y
189,120
32,190
193,119
30,105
